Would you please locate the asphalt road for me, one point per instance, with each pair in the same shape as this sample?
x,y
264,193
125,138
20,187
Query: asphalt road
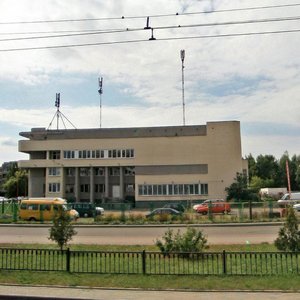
x,y
146,235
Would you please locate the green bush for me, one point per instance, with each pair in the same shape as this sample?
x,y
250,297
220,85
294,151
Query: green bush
x,y
192,240
289,235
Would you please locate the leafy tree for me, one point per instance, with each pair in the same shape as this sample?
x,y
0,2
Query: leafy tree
x,y
191,241
239,190
257,183
16,183
267,167
251,166
289,236
62,231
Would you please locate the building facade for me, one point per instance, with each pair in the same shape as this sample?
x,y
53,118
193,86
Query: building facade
x,y
148,164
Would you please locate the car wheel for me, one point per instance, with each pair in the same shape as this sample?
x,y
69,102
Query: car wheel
x,y
204,213
85,215
32,219
227,212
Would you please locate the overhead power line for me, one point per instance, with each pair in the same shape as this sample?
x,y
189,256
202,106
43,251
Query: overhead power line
x,y
157,39
151,16
97,32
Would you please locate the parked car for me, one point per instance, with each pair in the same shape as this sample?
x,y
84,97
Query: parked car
x,y
176,206
207,201
296,207
215,207
86,209
289,199
163,211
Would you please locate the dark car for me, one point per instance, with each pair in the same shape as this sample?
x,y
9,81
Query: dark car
x,y
163,211
87,209
176,206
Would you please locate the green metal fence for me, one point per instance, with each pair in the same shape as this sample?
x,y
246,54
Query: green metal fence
x,y
155,263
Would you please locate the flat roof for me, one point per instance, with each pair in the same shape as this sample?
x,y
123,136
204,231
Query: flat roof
x,y
103,133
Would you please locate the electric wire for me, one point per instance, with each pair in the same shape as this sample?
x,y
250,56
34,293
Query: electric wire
x,y
150,16
151,39
155,28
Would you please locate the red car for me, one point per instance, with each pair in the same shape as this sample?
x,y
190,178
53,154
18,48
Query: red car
x,y
217,207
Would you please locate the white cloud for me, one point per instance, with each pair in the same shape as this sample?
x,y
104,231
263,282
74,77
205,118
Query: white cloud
x,y
151,71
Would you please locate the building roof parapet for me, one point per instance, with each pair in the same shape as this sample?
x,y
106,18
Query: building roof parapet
x,y
102,133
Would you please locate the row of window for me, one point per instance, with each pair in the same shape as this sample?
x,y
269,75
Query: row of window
x,y
98,171
144,189
102,154
173,189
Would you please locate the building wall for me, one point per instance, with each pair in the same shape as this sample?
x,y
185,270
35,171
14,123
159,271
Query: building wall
x,y
208,154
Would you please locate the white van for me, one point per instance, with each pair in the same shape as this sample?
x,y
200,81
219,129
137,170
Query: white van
x,y
286,199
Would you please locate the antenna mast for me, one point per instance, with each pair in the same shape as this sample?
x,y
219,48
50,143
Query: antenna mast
x,y
100,91
58,114
182,55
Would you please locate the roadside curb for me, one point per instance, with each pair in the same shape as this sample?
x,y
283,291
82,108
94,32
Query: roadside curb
x,y
152,225
148,289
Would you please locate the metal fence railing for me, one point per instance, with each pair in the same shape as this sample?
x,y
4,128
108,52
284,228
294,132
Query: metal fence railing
x,y
155,263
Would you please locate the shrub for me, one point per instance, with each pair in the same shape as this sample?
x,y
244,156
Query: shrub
x,y
62,230
289,235
191,241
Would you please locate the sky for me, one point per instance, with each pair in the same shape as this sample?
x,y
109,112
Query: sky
x,y
230,71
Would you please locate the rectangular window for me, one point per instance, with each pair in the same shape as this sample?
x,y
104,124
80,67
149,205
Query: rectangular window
x,y
204,189
69,188
68,154
54,154
99,188
140,187
84,188
170,189
186,189
99,171
114,171
70,172
54,171
54,187
129,171
149,189
84,172
164,189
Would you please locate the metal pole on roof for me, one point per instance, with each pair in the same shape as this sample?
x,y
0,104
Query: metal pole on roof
x,y
100,91
182,56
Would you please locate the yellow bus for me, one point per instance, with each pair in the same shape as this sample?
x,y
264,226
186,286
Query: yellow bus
x,y
37,209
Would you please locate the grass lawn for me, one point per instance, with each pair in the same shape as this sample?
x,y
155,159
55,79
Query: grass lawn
x,y
200,282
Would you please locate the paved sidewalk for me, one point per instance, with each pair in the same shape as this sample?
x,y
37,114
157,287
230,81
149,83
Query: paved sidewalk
x,y
43,292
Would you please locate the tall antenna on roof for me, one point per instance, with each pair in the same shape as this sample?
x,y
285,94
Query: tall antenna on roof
x,y
182,55
59,115
100,91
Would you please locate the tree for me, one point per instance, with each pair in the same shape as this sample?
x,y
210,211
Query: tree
x,y
239,189
251,166
16,183
257,183
267,167
289,235
62,231
191,241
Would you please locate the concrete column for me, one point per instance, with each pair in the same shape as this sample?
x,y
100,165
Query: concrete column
x,y
121,183
92,185
77,185
29,183
63,182
106,183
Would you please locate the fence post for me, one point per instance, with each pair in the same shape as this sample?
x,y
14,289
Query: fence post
x,y
224,262
144,261
68,260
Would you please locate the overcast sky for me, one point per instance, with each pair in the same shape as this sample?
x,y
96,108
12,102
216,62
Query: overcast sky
x,y
254,79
